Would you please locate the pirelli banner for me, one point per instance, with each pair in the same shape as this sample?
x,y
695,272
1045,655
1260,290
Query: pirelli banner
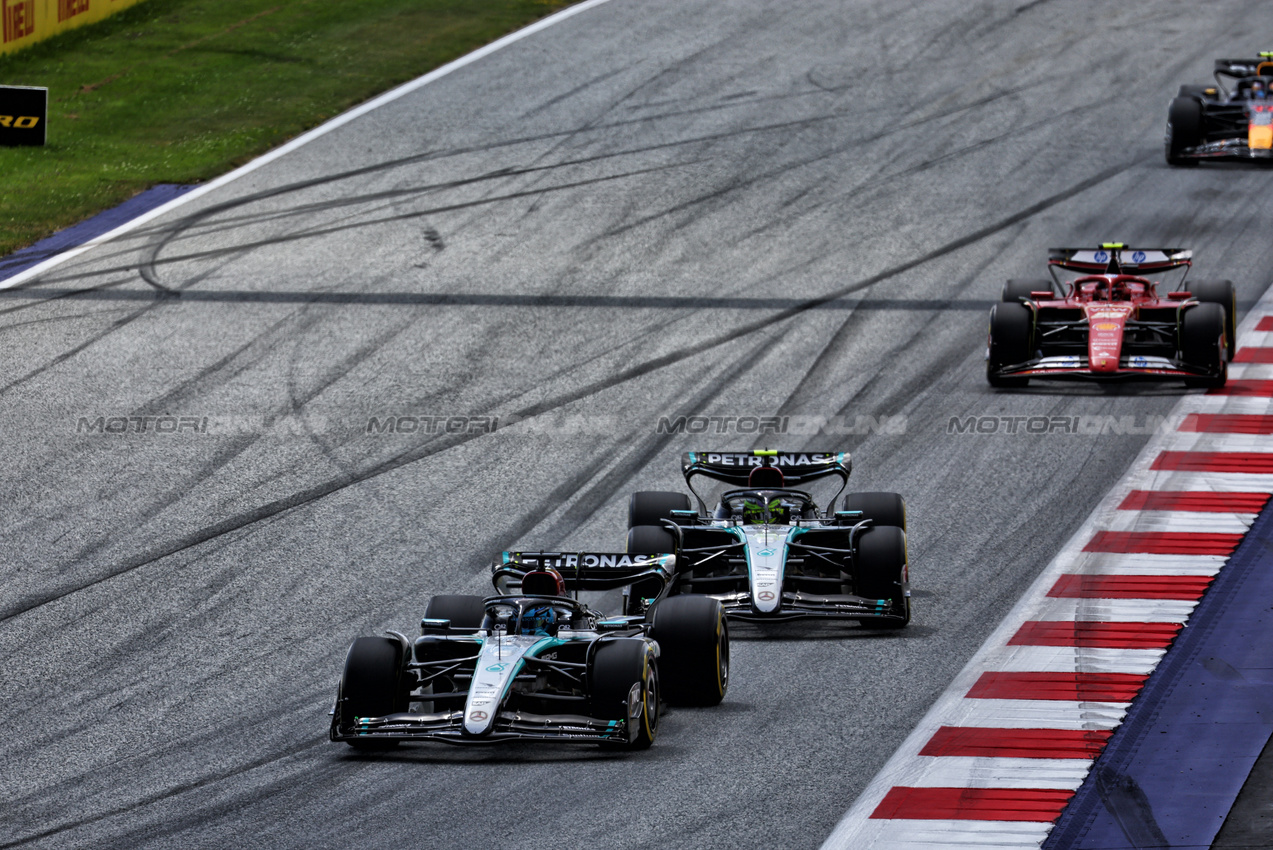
x,y
29,21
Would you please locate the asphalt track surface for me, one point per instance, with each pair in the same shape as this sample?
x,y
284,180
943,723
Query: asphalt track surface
x,y
651,209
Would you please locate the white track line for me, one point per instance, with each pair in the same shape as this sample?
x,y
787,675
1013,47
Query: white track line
x,y
317,132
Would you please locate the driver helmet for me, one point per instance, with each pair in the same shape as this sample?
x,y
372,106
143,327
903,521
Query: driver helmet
x,y
1257,89
757,510
538,620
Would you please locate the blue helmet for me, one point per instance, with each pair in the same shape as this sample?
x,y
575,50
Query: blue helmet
x,y
538,620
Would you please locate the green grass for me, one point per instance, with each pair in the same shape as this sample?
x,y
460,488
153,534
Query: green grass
x,y
180,91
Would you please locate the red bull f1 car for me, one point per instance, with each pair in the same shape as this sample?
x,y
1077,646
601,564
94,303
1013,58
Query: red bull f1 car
x,y
1111,322
1231,120
759,542
534,663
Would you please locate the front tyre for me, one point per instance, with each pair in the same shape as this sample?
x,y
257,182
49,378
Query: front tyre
x,y
1017,288
1011,327
651,507
881,571
464,612
880,508
1202,343
693,643
1184,130
647,540
1221,292
371,686
625,686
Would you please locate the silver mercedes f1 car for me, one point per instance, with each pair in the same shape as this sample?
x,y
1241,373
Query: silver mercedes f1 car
x,y
534,663
765,549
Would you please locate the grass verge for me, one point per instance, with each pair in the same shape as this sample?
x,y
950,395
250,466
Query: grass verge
x,y
180,91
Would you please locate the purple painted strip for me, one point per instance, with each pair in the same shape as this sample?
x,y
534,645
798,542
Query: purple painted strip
x,y
91,228
1171,772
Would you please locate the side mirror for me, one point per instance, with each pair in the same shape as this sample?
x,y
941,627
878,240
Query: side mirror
x,y
1179,296
432,627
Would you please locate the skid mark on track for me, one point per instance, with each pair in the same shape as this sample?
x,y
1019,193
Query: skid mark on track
x,y
167,793
317,491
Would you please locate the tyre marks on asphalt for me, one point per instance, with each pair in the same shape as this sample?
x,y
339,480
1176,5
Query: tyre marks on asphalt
x,y
999,756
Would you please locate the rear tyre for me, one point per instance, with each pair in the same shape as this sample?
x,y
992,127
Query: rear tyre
x,y
882,572
1011,327
1201,343
693,649
1221,292
651,507
1184,130
1016,289
371,686
880,508
464,612
625,686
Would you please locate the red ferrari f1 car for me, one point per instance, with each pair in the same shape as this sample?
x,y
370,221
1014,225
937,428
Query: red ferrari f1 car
x,y
1112,323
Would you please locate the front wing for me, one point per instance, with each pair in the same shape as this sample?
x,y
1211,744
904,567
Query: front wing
x,y
1130,367
802,606
448,727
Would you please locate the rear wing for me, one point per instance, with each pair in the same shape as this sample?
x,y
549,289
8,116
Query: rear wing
x,y
583,570
736,467
1117,258
1259,66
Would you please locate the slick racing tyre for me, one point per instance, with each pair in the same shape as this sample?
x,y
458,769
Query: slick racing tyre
x,y
1184,130
464,612
1201,334
650,507
650,540
1016,289
647,540
1011,326
371,685
880,568
624,681
1221,292
693,649
879,508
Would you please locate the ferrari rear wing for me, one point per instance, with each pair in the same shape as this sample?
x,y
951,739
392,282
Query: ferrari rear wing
x,y
583,570
736,467
1117,258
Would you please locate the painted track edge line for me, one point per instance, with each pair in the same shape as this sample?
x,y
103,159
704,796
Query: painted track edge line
x,y
303,139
